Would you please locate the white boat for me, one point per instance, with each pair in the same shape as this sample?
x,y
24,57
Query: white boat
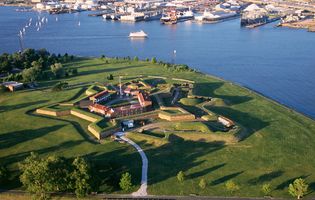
x,y
139,34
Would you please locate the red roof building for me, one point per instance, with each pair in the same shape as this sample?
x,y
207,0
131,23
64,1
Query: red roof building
x,y
101,96
104,110
144,99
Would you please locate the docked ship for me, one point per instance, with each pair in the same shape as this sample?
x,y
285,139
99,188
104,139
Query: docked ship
x,y
254,16
139,34
169,17
216,16
173,17
184,16
150,16
134,17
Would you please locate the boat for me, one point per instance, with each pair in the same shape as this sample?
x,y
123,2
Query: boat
x,y
169,18
173,17
184,16
115,16
134,17
139,34
216,16
152,16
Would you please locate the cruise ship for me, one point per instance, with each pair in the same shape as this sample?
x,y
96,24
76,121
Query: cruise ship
x,y
139,34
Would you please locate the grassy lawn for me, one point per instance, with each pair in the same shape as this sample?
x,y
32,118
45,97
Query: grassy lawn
x,y
277,143
173,111
190,101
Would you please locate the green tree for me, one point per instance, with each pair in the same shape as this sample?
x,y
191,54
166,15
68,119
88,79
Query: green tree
x,y
35,176
266,189
231,186
153,60
5,66
136,58
37,65
41,175
74,71
81,177
180,176
202,184
58,70
298,188
125,182
110,77
30,74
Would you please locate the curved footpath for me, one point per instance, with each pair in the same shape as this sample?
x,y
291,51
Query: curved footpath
x,y
144,177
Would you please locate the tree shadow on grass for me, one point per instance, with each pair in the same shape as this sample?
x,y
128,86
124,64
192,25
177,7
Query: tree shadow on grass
x,y
252,123
266,177
78,94
225,178
75,124
286,183
178,155
19,106
113,69
8,140
312,188
108,167
208,89
205,171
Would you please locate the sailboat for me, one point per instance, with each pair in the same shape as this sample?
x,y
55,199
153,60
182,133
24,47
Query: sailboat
x,y
56,19
79,24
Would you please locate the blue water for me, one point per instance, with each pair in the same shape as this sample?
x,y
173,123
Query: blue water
x,y
277,62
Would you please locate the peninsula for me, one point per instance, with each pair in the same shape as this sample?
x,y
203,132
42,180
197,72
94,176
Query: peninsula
x,y
196,134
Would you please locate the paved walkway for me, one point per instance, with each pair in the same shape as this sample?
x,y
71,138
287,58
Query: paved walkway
x,y
144,177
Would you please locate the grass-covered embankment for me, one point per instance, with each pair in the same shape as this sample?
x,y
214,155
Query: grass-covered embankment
x,y
276,146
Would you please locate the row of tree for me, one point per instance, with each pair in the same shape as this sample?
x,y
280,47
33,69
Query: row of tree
x,y
169,66
25,59
32,65
297,189
43,175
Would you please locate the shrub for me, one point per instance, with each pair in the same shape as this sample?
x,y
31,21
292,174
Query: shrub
x,y
125,182
266,189
110,77
231,186
202,184
59,86
136,58
180,176
153,60
298,188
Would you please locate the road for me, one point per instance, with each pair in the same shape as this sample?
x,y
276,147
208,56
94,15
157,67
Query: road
x,y
144,177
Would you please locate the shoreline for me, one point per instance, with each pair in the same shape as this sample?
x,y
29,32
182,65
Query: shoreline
x,y
266,97
248,88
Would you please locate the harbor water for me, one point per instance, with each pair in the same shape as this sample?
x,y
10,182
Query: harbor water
x,y
277,62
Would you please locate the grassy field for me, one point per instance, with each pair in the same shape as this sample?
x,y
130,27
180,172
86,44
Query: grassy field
x,y
277,143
